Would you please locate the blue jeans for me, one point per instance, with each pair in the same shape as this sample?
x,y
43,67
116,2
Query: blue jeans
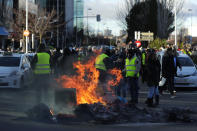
x,y
153,90
134,88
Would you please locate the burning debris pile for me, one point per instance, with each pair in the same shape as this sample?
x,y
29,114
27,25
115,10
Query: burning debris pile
x,y
93,105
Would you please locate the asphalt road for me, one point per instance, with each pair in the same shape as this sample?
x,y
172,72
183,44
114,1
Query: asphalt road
x,y
14,103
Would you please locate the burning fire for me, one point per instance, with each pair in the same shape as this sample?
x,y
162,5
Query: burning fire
x,y
86,82
118,74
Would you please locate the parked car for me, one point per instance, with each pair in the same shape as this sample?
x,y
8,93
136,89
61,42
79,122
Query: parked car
x,y
15,71
185,78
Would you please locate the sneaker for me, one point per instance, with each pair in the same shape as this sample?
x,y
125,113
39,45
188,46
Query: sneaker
x,y
172,97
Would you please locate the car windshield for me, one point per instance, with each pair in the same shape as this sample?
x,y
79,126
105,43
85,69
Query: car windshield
x,y
10,61
185,61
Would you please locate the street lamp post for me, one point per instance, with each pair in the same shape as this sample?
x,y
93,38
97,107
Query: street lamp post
x,y
175,23
190,10
87,23
58,27
76,8
26,51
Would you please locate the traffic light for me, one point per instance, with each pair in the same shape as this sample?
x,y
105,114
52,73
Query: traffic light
x,y
98,18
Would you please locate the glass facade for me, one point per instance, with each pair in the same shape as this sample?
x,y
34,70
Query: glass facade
x,y
49,5
78,12
41,3
59,7
6,13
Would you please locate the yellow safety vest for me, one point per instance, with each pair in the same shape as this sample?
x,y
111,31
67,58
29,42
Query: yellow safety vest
x,y
99,64
131,67
43,64
143,58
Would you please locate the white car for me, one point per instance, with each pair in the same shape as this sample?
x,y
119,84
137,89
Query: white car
x,y
185,78
15,71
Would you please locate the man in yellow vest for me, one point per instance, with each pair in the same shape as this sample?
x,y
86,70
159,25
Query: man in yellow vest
x,y
102,64
42,71
132,66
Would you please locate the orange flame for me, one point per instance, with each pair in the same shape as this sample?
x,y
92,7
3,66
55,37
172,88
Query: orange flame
x,y
86,82
51,111
118,74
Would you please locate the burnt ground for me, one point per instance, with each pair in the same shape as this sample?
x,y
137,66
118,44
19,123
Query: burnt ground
x,y
14,104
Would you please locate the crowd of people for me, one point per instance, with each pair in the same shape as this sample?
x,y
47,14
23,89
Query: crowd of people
x,y
134,63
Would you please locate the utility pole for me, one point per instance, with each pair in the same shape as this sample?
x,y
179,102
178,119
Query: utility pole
x,y
190,10
76,22
58,27
87,24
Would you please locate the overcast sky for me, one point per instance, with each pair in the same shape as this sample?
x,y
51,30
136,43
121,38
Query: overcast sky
x,y
108,11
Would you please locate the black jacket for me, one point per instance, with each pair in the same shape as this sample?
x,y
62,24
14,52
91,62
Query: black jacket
x,y
168,66
153,69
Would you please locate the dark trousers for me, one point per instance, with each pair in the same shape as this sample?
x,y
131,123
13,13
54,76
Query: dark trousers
x,y
102,81
102,76
170,82
42,88
121,89
133,88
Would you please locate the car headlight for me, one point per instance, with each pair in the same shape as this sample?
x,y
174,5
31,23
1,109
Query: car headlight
x,y
14,73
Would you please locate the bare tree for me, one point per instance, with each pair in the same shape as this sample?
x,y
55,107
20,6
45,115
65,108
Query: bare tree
x,y
165,9
163,13
39,24
123,10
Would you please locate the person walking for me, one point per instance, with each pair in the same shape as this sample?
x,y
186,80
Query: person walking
x,y
132,67
153,69
103,63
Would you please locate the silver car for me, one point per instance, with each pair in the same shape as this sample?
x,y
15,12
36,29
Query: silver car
x,y
15,71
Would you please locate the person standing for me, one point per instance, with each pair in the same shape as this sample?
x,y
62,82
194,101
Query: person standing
x,y
121,89
143,63
42,71
65,62
153,68
169,70
132,66
55,57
